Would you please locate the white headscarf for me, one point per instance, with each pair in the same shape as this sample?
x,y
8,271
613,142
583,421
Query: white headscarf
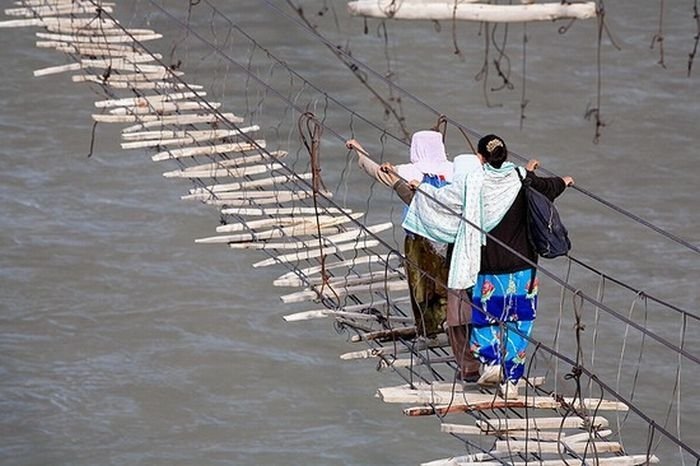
x,y
428,157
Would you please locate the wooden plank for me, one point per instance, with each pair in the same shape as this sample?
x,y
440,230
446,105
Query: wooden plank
x,y
262,201
57,69
518,446
438,342
384,335
540,423
155,121
327,240
66,9
452,386
147,101
342,290
356,278
306,228
491,402
629,460
190,139
282,211
159,135
109,50
260,183
324,313
165,107
52,20
275,221
225,164
209,150
313,253
515,434
145,85
315,314
129,77
450,11
145,121
112,39
233,172
292,278
88,30
413,362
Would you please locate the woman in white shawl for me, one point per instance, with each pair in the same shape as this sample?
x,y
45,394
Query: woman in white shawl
x,y
501,283
426,267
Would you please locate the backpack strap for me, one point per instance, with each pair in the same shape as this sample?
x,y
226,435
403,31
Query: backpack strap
x,y
526,185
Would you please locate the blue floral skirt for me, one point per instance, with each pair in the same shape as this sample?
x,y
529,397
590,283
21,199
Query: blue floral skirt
x,y
504,307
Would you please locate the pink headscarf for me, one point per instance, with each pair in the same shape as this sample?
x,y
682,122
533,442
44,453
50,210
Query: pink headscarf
x,y
427,158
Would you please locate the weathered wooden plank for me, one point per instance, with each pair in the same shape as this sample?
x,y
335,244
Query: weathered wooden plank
x,y
65,9
155,121
107,50
308,315
233,172
354,277
52,20
186,140
384,335
112,39
540,423
282,211
88,30
419,345
341,289
313,253
324,313
128,77
459,406
193,151
144,85
518,446
299,229
629,460
147,101
292,278
196,193
328,241
454,386
195,135
515,434
450,11
145,121
224,164
275,221
165,107
279,199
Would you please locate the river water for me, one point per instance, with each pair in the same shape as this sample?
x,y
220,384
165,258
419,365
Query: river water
x,y
125,343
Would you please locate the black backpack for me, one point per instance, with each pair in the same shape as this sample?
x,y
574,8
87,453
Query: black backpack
x,y
545,231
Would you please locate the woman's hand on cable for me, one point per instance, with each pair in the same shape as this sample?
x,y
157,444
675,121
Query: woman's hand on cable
x,y
390,172
414,184
352,144
568,181
532,165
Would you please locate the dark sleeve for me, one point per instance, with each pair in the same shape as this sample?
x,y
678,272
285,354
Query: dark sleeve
x,y
551,187
404,191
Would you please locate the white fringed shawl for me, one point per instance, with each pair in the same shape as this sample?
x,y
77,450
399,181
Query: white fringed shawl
x,y
481,197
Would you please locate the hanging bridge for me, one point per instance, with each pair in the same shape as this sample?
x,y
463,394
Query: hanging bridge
x,y
566,411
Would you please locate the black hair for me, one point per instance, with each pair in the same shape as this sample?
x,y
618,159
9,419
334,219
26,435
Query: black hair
x,y
499,152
